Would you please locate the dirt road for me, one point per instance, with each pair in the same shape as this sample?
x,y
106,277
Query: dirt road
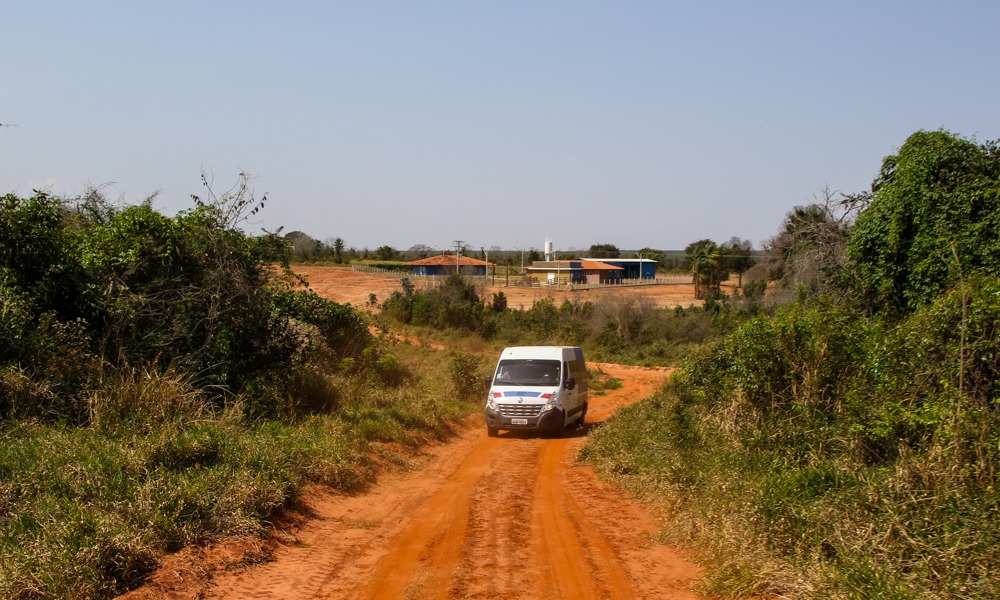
x,y
481,517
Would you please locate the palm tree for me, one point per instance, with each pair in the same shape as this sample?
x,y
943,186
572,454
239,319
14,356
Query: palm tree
x,y
706,263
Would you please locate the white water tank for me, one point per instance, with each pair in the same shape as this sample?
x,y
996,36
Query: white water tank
x,y
548,250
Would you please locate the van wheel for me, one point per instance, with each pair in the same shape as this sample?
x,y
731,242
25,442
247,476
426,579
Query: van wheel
x,y
492,431
583,414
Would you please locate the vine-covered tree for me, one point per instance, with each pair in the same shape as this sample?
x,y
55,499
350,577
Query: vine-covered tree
x,y
934,214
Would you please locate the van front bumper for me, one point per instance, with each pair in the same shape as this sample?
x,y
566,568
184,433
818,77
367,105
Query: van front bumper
x,y
501,418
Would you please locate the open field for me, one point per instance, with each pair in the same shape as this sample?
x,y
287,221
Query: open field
x,y
343,285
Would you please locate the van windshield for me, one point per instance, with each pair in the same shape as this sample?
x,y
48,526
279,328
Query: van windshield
x,y
527,372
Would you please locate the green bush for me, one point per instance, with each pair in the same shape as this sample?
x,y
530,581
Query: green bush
x,y
342,330
467,377
86,287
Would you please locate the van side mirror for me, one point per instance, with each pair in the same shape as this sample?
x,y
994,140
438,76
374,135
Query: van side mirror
x,y
489,381
570,383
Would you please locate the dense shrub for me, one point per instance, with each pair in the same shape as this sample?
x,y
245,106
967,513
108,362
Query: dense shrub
x,y
611,327
455,304
37,255
342,330
86,286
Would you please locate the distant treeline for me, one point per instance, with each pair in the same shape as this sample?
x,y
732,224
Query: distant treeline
x,y
306,249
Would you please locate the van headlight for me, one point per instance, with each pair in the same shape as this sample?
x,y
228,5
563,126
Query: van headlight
x,y
491,403
550,403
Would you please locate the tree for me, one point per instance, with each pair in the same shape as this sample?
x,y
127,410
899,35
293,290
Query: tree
x,y
652,254
603,251
190,290
338,250
738,256
303,246
938,195
418,251
385,253
809,250
705,257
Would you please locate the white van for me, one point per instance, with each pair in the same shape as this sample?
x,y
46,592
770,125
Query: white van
x,y
541,388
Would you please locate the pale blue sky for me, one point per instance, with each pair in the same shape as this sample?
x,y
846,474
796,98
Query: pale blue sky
x,y
497,123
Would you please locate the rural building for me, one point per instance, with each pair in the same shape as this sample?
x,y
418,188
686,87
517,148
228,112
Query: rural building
x,y
446,264
575,271
635,268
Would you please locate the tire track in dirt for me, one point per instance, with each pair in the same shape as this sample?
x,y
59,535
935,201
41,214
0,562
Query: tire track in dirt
x,y
580,559
424,559
506,517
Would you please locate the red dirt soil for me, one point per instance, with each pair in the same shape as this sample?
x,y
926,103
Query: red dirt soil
x,y
507,517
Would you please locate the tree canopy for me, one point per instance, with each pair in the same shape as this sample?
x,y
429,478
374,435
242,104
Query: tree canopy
x,y
705,257
603,251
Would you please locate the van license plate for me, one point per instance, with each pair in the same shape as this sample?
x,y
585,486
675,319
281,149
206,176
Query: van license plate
x,y
518,421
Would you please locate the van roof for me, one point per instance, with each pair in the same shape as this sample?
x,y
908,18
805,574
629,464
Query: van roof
x,y
539,351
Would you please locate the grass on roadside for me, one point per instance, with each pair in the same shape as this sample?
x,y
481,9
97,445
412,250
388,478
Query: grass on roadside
x,y
820,527
86,511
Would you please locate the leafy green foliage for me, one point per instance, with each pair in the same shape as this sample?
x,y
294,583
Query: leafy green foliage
x,y
603,251
938,193
706,262
625,329
185,291
85,285
342,331
36,255
454,304
467,375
